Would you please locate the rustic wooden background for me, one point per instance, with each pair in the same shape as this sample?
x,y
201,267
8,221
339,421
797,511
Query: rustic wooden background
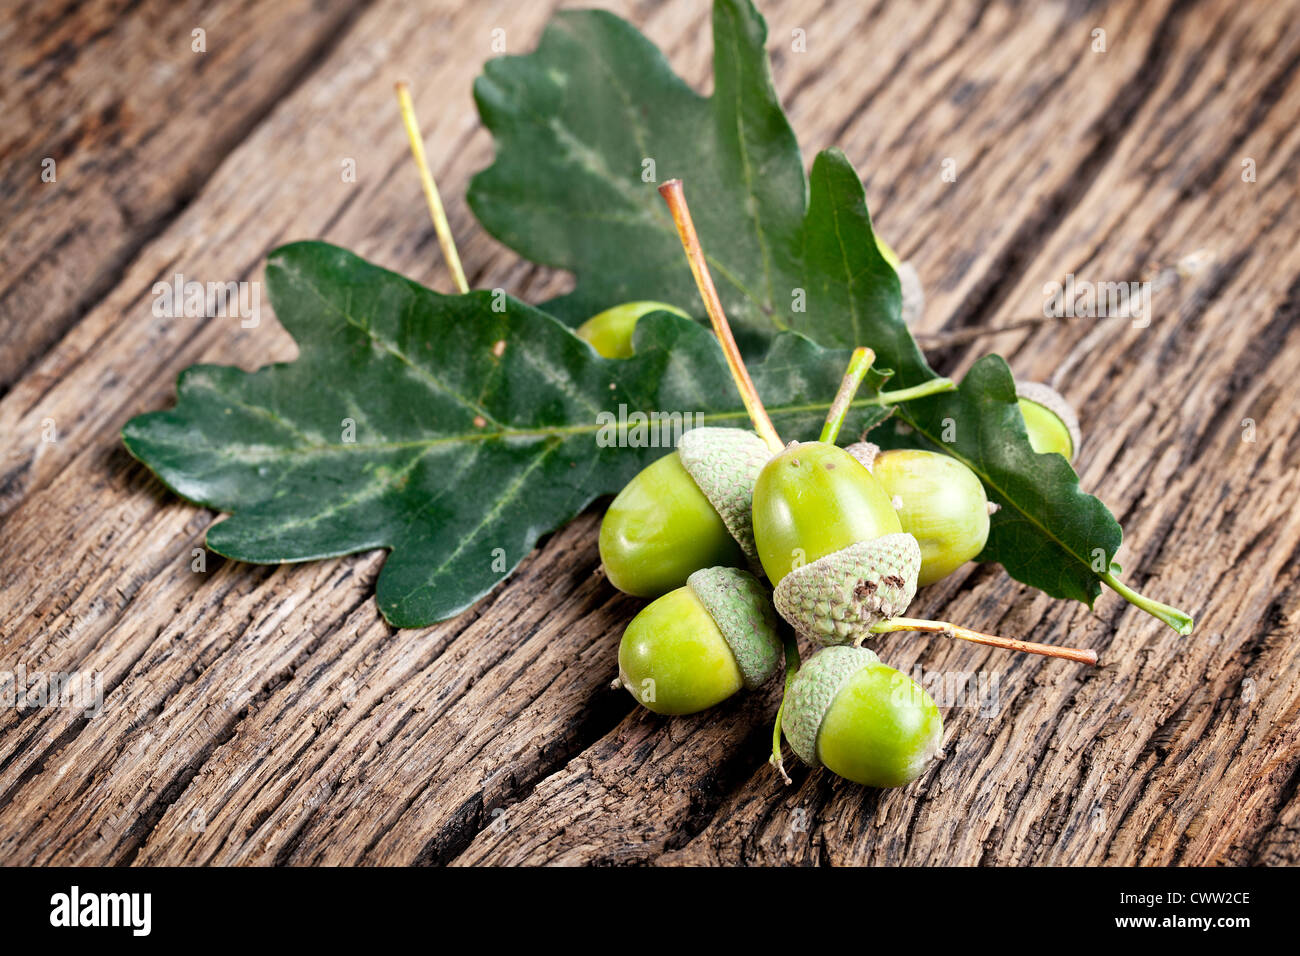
x,y
268,715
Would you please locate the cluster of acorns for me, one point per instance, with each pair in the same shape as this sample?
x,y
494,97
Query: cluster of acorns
x,y
845,536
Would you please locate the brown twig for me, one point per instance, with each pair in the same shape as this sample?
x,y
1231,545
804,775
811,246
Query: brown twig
x,y
676,200
1080,655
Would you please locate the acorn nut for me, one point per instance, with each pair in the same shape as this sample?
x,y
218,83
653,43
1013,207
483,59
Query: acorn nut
x,y
696,646
811,500
610,332
686,511
831,542
940,502
1050,420
861,719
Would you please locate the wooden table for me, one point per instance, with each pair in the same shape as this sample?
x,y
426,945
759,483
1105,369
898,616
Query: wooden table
x,y
268,715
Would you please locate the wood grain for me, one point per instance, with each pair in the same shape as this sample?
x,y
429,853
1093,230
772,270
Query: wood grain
x,y
269,715
134,119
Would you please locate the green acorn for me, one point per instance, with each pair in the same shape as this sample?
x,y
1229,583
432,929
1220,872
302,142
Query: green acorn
x,y
1050,420
939,501
867,722
610,332
837,598
686,511
814,502
696,646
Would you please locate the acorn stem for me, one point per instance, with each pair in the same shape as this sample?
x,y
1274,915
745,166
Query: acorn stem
x,y
933,387
859,364
676,200
791,668
1080,655
431,194
1178,620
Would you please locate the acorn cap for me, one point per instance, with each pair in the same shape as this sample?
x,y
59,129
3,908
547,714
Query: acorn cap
x,y
836,599
865,452
740,606
813,691
1054,402
725,463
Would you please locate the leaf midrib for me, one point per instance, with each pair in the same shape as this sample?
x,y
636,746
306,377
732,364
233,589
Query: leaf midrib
x,y
783,411
747,169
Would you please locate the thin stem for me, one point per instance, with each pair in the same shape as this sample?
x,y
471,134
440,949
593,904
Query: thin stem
x,y
1178,620
676,200
859,364
791,668
431,195
933,387
966,634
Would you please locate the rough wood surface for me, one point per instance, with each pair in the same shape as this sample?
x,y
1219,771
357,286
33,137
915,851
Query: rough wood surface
x,y
268,715
134,120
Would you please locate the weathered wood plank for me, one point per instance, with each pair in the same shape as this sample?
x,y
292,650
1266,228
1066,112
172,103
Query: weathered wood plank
x,y
268,715
134,120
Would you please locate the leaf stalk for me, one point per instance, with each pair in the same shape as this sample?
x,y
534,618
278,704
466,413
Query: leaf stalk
x,y
1180,621
934,386
859,364
681,213
431,194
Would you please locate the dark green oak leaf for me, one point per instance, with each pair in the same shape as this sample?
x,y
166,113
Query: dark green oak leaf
x,y
474,431
577,121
